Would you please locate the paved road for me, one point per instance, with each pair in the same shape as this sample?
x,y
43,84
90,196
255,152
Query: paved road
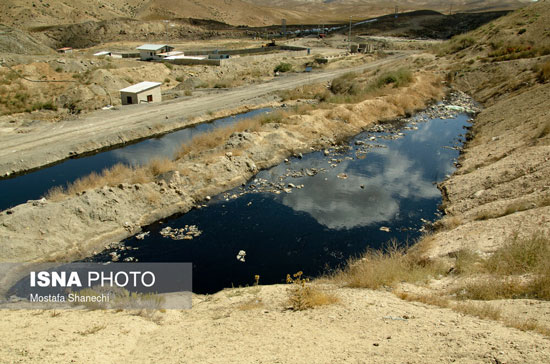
x,y
48,144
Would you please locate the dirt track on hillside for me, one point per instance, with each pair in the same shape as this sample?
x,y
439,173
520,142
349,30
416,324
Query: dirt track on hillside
x,y
48,144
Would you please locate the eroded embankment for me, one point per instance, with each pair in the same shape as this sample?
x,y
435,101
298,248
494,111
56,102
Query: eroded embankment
x,y
502,188
77,225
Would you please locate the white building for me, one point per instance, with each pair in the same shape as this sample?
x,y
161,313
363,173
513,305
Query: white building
x,y
148,52
143,92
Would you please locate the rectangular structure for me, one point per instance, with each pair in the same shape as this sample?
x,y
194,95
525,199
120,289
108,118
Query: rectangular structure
x,y
143,92
149,52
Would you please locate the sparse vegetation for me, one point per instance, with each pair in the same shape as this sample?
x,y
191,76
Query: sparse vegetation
x,y
456,44
519,269
302,295
399,78
387,267
543,72
122,299
283,67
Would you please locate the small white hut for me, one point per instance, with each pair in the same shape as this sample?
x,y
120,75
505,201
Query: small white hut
x,y
143,92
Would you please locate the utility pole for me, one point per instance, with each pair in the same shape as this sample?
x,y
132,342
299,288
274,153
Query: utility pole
x,y
349,36
396,11
451,8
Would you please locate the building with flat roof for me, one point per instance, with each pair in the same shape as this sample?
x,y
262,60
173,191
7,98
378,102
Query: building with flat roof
x,y
143,92
148,52
65,50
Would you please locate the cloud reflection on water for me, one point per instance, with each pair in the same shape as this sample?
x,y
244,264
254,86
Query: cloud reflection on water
x,y
343,204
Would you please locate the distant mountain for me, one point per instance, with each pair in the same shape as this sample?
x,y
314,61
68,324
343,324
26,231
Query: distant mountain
x,y
27,14
343,9
39,13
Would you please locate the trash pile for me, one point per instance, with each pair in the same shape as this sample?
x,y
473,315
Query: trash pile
x,y
241,255
188,232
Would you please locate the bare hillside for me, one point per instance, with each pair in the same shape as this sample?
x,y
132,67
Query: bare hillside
x,y
342,9
16,41
30,13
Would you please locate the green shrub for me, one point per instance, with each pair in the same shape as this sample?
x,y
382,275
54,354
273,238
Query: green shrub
x,y
283,67
399,78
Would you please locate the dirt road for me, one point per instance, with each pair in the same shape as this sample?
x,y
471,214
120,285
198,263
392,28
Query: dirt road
x,y
48,144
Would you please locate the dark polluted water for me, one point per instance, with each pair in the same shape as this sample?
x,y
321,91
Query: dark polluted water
x,y
34,185
313,213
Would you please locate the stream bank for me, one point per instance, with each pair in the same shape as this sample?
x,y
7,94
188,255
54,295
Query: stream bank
x,y
80,225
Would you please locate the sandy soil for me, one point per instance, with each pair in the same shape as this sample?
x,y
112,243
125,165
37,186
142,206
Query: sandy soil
x,y
364,327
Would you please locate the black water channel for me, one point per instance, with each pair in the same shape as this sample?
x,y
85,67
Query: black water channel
x,y
34,185
312,213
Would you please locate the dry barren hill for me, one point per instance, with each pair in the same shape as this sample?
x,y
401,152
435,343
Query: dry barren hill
x,y
331,10
35,13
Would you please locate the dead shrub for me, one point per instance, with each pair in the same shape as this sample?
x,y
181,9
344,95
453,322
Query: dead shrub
x,y
302,295
387,267
160,166
481,310
520,255
429,299
544,72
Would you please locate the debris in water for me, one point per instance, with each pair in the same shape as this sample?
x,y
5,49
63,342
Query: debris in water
x,y
142,235
384,228
241,255
188,232
342,176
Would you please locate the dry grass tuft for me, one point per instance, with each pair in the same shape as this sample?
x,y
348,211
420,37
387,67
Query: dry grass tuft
x,y
481,310
520,255
429,299
519,269
478,309
544,72
387,267
491,288
544,130
302,295
159,166
217,137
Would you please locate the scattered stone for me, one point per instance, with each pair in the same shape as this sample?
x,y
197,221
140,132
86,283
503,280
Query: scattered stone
x,y
142,235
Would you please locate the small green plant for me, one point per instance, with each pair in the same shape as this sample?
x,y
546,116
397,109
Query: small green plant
x,y
283,67
169,65
179,79
399,78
